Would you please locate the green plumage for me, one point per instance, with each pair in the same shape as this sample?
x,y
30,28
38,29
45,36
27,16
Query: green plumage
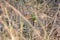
x,y
33,17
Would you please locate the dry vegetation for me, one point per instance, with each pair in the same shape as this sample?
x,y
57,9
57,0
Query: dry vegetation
x,y
29,20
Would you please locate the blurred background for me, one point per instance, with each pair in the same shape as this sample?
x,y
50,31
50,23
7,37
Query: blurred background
x,y
29,19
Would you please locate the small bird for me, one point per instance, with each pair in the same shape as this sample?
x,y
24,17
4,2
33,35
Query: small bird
x,y
31,17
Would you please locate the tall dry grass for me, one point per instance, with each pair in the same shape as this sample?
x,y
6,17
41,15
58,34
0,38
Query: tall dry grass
x,y
40,25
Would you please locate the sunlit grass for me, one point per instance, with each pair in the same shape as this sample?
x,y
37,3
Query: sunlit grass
x,y
16,23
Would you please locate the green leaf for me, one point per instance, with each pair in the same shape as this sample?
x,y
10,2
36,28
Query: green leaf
x,y
33,17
